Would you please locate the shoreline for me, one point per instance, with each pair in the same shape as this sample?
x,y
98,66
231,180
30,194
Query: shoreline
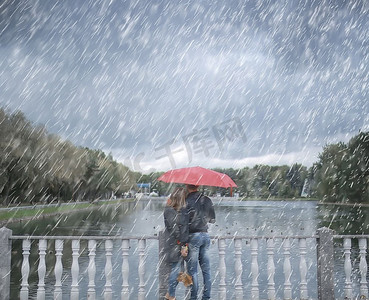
x,y
39,213
278,199
344,204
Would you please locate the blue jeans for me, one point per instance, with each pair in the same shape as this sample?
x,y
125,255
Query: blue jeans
x,y
199,245
172,280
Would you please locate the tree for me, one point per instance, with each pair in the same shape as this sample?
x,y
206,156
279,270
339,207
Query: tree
x,y
342,172
37,166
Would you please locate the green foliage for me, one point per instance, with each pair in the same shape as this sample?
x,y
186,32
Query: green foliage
x,y
264,181
342,172
36,166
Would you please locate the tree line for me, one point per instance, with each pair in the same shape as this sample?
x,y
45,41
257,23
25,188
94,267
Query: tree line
x,y
341,174
260,181
36,166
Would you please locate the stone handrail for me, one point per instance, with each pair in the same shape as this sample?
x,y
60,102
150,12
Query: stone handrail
x,y
325,264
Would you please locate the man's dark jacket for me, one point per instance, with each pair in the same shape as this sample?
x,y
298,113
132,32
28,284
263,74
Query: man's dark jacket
x,y
201,212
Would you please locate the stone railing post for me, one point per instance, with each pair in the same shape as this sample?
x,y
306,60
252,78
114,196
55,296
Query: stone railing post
x,y
325,261
164,267
5,260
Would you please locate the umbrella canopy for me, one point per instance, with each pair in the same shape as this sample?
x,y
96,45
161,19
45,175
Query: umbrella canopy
x,y
198,176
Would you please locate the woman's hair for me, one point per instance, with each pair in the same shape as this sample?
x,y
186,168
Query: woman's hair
x,y
177,198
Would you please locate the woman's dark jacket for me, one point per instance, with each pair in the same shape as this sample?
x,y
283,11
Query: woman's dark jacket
x,y
176,232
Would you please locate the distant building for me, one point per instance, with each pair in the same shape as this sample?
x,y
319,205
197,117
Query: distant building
x,y
144,188
306,189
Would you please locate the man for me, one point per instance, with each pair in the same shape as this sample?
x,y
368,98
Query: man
x,y
201,212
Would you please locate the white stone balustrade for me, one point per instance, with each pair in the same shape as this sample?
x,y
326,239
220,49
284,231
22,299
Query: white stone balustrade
x,y
42,246
287,269
222,270
303,270
363,266
254,270
348,268
125,269
108,292
74,295
271,269
91,294
238,268
58,292
277,245
25,270
141,268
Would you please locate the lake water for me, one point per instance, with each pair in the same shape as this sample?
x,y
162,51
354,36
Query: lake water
x,y
145,217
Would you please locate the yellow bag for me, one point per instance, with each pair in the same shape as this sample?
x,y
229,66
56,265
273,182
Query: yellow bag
x,y
185,278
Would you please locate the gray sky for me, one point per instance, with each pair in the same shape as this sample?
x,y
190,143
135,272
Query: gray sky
x,y
164,84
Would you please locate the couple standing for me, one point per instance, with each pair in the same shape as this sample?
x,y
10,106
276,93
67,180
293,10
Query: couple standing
x,y
186,217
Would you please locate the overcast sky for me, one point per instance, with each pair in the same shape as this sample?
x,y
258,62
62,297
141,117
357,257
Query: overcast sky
x,y
166,84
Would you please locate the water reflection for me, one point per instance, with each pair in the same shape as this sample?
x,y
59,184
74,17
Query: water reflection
x,y
266,218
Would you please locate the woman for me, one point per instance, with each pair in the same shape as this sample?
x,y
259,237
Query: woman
x,y
176,234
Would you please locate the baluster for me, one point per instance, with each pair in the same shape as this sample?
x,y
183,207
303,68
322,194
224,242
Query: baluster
x,y
238,268
125,269
141,269
303,270
42,245
271,269
108,294
254,270
348,268
287,269
222,270
363,266
74,294
26,246
91,269
58,270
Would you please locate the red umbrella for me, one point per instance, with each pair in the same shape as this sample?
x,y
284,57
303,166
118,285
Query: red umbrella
x,y
198,176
